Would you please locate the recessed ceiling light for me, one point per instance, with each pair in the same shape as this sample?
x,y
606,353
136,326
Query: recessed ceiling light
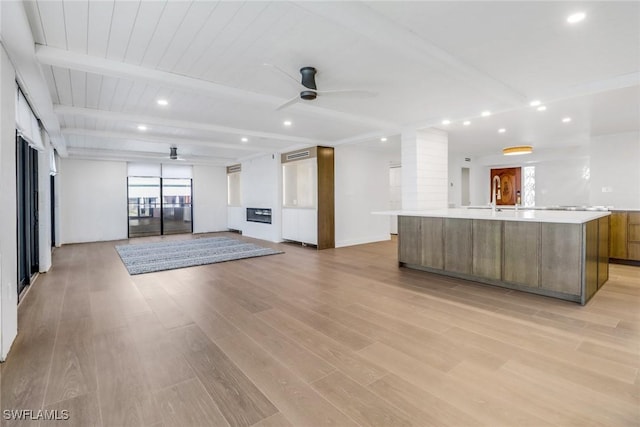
x,y
535,103
142,127
502,130
576,17
383,139
162,102
446,122
566,120
244,139
466,123
287,123
486,113
542,108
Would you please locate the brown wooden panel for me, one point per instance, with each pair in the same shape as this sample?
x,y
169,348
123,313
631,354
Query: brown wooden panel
x,y
432,243
633,234
634,217
591,259
603,250
326,199
457,245
409,240
634,251
561,257
618,238
521,253
487,249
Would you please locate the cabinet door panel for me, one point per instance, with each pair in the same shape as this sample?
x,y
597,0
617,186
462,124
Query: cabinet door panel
x,y
561,258
409,240
432,243
618,240
308,226
487,249
457,245
521,253
290,225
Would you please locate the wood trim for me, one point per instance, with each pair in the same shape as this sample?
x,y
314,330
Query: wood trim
x,y
326,198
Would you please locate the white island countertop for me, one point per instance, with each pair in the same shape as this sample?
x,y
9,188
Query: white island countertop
x,y
568,217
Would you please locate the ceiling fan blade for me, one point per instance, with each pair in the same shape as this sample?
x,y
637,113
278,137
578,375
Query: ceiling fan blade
x,y
296,80
348,93
289,103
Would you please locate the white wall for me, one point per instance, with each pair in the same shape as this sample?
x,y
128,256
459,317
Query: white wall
x,y
615,168
93,200
560,175
209,199
569,175
361,187
261,188
8,241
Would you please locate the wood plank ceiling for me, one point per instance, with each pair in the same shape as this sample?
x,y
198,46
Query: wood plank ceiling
x,y
106,64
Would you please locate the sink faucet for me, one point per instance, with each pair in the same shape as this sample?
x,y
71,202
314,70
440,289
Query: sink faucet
x,y
495,192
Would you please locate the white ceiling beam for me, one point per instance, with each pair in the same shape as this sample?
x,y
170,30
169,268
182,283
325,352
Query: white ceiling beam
x,y
17,40
374,26
91,64
164,122
114,155
183,142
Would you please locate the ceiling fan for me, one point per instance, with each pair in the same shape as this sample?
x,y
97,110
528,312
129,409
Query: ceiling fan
x,y
173,153
309,90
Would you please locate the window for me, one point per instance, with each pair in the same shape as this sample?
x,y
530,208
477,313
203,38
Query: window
x,y
529,186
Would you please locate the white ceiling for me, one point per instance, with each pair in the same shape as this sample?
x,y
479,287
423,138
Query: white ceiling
x,y
106,63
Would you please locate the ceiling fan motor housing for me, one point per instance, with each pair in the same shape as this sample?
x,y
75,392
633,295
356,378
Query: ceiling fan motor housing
x,y
173,153
308,81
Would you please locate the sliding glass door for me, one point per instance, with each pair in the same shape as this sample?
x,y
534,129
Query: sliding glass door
x,y
176,206
27,212
144,206
159,206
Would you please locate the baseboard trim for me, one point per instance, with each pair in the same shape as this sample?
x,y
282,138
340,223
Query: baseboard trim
x,y
363,241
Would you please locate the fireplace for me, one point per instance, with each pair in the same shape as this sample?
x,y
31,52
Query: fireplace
x,y
262,215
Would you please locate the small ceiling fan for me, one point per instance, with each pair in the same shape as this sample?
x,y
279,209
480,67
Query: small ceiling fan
x,y
173,153
309,90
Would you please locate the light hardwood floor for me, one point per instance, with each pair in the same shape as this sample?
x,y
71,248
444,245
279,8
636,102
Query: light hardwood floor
x,y
338,337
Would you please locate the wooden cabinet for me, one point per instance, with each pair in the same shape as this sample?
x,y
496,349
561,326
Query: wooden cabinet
x,y
624,236
308,196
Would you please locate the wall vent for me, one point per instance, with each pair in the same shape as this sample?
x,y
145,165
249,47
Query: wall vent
x,y
234,168
298,155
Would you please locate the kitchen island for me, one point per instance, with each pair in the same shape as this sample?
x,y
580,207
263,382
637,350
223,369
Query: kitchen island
x,y
559,254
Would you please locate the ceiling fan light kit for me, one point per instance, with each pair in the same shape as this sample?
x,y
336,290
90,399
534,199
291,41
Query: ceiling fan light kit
x,y
308,81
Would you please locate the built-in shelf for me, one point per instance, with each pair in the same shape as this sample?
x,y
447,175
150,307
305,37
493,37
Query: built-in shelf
x,y
308,196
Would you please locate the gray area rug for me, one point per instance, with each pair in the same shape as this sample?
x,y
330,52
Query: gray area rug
x,y
158,256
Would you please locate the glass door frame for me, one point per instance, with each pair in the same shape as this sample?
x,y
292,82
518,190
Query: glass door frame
x,y
160,205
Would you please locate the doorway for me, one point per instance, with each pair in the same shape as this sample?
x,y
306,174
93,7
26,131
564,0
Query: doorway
x,y
27,212
159,206
464,188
